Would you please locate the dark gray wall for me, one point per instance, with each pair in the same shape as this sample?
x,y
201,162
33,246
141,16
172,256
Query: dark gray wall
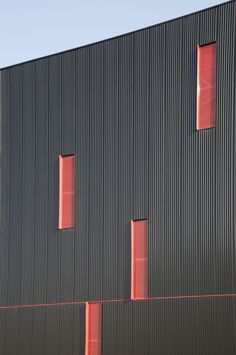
x,y
127,108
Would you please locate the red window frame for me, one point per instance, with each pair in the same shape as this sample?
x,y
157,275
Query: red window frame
x,y
66,191
139,259
206,86
93,341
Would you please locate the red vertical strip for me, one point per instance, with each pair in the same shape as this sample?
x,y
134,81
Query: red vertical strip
x,y
206,86
66,191
139,259
93,329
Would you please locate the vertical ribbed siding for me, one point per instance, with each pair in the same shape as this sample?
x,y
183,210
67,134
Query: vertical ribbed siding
x,y
224,148
141,333
38,331
4,199
172,158
28,200
125,163
82,175
189,154
15,206
109,329
67,147
96,172
140,125
206,170
110,177
53,234
67,237
41,205
41,181
169,327
123,328
79,330
4,182
156,161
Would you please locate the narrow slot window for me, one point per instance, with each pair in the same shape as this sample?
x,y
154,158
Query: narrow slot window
x,y
66,191
206,86
93,340
139,259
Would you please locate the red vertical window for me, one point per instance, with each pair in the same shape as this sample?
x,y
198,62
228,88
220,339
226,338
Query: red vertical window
x,y
66,191
139,259
93,329
206,86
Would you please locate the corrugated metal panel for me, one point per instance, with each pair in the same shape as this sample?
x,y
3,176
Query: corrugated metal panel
x,y
79,330
68,133
4,182
156,161
141,328
28,185
170,327
66,332
108,256
109,329
96,171
189,159
67,264
172,158
52,330
12,332
140,124
41,181
82,175
15,207
25,332
125,163
38,331
15,182
206,170
225,179
4,199
54,133
124,328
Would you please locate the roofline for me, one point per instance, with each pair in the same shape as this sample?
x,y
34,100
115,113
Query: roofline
x,y
117,36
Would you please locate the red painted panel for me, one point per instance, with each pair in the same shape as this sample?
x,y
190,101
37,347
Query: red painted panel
x,y
93,329
206,86
66,191
139,259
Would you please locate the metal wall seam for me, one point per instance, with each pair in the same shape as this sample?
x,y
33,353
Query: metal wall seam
x,y
82,197
28,204
206,178
224,152
41,204
54,235
110,176
172,160
189,154
15,205
125,163
4,198
67,263
96,173
156,160
140,153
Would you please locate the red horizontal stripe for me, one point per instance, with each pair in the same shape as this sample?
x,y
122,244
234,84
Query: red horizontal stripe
x,y
160,298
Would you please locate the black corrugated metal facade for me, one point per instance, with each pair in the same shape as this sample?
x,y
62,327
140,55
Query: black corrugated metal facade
x,y
126,107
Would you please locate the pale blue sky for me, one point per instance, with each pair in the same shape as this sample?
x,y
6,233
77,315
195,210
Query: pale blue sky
x,y
30,29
